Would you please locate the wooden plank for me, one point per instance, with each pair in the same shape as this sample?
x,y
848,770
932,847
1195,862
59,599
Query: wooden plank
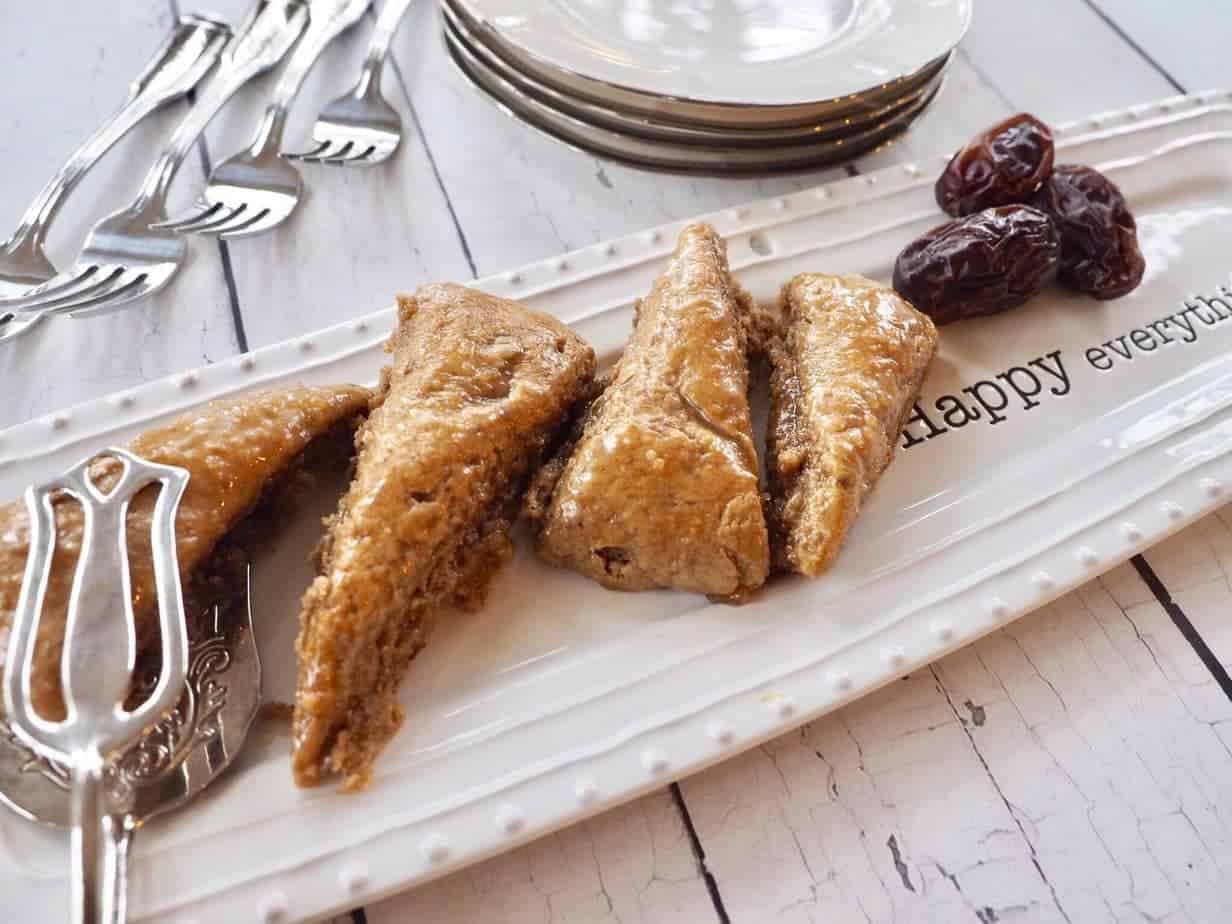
x,y
1194,566
1186,39
1059,59
1062,769
629,866
82,75
521,197
360,235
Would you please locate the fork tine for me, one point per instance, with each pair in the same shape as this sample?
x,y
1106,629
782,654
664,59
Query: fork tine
x,y
111,300
180,224
81,286
12,304
382,153
331,153
307,155
212,225
259,223
340,154
342,160
116,285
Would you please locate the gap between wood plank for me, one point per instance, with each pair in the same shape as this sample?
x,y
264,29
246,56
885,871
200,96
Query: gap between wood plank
x,y
1157,587
699,854
436,173
1182,623
228,274
1129,40
1187,629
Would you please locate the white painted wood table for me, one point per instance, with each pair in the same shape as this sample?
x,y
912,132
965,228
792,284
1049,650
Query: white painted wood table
x,y
1075,767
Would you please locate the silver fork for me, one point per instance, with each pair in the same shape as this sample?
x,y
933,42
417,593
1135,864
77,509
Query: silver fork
x,y
360,128
124,258
99,655
185,57
254,190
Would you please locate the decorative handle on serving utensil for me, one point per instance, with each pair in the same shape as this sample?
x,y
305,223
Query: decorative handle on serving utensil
x,y
100,653
188,54
268,32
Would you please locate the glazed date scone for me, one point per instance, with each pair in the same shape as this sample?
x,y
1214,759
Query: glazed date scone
x,y
660,489
476,393
233,449
846,366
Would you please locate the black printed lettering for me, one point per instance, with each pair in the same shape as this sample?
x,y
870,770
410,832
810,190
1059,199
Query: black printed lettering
x,y
919,416
984,391
1156,326
956,414
1099,359
1208,321
1183,322
1025,384
1058,373
1120,346
1215,303
1142,338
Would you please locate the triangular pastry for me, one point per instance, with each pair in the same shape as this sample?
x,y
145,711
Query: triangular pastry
x,y
661,486
234,449
477,391
846,368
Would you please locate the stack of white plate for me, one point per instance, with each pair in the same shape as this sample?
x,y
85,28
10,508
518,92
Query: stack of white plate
x,y
714,86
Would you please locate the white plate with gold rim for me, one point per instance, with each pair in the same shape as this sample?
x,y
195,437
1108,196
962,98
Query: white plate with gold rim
x,y
699,115
722,62
1051,443
657,130
711,159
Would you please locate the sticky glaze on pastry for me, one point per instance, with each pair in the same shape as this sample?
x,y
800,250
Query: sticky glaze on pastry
x,y
476,392
661,489
846,367
234,450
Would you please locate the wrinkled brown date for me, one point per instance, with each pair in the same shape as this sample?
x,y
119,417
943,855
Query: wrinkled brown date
x,y
982,264
1099,237
1005,164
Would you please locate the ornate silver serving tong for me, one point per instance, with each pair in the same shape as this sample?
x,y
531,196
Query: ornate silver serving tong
x,y
174,760
99,658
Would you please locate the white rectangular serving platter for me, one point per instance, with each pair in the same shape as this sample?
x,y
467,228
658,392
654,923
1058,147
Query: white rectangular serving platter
x,y
1055,441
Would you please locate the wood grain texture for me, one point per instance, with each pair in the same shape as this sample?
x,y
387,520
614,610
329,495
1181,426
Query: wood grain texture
x,y
1195,567
1073,767
1066,768
522,197
1180,37
374,232
630,866
97,52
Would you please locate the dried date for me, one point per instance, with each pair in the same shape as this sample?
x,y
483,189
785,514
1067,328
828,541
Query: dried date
x,y
1099,237
982,264
1003,165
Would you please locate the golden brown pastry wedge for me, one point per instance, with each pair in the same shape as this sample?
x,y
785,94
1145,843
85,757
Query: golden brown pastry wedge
x,y
846,367
477,390
233,449
661,487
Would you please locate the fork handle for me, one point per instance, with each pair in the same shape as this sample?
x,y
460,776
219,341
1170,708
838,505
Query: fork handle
x,y
179,64
269,31
327,22
378,46
97,894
